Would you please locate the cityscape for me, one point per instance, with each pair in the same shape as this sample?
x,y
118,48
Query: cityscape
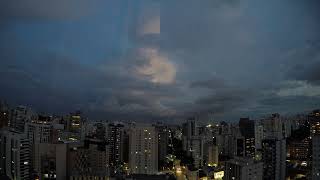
x,y
39,146
159,90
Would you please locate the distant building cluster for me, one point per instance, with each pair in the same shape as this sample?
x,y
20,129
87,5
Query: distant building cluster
x,y
44,147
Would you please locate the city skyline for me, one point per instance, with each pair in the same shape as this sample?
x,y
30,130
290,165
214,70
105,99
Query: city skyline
x,y
159,90
40,146
157,60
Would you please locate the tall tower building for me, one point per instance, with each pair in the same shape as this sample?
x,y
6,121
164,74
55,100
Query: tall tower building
x,y
273,126
143,145
52,161
163,141
274,158
100,131
15,155
259,135
213,155
316,157
314,121
189,128
19,117
74,124
89,161
115,140
247,130
38,133
193,143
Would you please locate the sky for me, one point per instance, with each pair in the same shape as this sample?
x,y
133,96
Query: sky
x,y
149,60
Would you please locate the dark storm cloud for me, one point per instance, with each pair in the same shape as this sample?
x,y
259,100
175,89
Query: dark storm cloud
x,y
305,62
288,105
245,42
220,97
54,83
43,9
222,101
195,25
227,57
214,83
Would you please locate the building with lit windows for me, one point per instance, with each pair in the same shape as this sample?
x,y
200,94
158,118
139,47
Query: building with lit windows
x,y
52,161
299,149
15,155
143,148
247,129
115,143
75,122
314,122
74,126
213,155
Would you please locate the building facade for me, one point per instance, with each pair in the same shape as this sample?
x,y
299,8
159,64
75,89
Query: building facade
x,y
316,157
274,158
243,169
143,147
15,155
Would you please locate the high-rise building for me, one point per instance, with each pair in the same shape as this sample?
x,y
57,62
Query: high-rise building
x,y
273,126
193,143
115,144
190,128
89,160
196,149
38,132
74,124
247,129
163,142
15,155
243,169
299,149
100,131
143,145
19,117
259,135
240,146
299,145
52,161
274,158
227,145
213,155
314,122
316,157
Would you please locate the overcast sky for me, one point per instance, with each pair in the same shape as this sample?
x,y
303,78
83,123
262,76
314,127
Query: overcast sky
x,y
147,60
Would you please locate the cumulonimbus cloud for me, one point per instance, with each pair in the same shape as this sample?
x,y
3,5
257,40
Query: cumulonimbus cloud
x,y
157,67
